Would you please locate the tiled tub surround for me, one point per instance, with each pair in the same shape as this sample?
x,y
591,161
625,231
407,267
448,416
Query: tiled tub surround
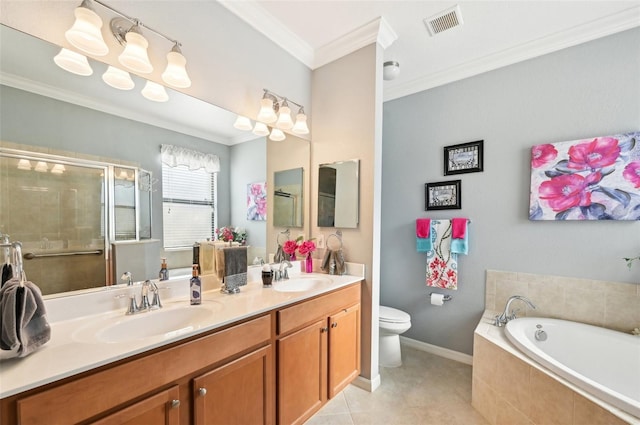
x,y
64,355
508,387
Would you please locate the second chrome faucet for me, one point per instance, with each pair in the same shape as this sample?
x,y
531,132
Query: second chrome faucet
x,y
507,314
145,305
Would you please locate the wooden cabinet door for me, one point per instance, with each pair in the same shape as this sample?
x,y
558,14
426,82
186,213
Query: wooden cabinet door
x,y
302,371
344,348
238,393
160,409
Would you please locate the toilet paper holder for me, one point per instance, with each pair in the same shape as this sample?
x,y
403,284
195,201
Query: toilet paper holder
x,y
445,298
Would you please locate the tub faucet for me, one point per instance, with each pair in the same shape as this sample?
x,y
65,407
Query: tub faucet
x,y
505,317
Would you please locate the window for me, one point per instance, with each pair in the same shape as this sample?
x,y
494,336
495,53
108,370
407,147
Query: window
x,y
188,204
189,181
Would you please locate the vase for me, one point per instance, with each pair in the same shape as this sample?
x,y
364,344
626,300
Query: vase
x,y
292,257
308,263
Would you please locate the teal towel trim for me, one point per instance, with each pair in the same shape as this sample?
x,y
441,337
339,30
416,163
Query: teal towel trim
x,y
424,244
461,246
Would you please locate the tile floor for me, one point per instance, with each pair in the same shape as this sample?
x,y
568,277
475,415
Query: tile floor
x,y
425,390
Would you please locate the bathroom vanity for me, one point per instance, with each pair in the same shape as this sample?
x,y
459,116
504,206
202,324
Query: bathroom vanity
x,y
265,356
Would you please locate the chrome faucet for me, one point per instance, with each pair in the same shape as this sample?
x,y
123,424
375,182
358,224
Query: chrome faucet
x,y
127,276
145,305
506,316
282,272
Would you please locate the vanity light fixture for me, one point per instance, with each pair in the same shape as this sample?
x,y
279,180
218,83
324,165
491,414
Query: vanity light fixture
x,y
284,117
300,127
118,79
85,34
154,91
268,108
73,62
41,167
58,169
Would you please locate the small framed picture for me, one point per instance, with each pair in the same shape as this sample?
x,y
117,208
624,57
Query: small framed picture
x,y
443,195
463,158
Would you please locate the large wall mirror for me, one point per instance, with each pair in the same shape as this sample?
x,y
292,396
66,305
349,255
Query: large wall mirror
x,y
288,198
47,109
339,194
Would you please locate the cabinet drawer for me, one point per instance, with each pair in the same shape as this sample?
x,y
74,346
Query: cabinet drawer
x,y
94,394
306,312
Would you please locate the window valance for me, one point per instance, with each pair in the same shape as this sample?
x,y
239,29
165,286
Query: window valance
x,y
194,160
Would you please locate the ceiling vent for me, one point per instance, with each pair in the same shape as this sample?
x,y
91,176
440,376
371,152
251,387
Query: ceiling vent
x,y
444,20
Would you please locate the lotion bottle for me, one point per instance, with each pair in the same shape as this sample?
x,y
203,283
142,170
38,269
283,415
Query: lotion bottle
x,y
164,273
195,286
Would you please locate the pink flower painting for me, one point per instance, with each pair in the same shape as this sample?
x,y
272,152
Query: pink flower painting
x,y
257,201
591,179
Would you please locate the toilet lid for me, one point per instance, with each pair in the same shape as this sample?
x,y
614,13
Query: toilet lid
x,y
392,315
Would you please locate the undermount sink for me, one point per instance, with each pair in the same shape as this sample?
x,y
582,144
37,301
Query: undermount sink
x,y
301,284
167,322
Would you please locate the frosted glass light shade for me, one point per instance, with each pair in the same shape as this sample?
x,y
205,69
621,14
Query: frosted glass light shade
x,y
24,164
58,169
73,62
277,135
284,119
135,55
243,123
300,126
118,79
267,114
41,167
85,33
260,129
154,91
176,72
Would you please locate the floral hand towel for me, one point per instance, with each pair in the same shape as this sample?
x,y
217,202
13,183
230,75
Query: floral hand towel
x,y
442,264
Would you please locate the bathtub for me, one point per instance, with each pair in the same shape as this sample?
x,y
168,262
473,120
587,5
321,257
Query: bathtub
x,y
600,361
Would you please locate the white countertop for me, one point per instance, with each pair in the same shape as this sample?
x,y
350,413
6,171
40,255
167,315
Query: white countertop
x,y
70,351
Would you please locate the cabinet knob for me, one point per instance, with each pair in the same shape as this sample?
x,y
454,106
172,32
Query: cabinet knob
x,y
324,329
175,404
334,325
202,391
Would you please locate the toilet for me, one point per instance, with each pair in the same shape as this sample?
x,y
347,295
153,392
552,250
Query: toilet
x,y
392,323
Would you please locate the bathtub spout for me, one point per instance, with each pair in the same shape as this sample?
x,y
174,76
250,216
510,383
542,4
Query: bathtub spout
x,y
503,319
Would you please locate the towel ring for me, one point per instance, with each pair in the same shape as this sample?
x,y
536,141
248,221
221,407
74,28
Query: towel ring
x,y
338,236
287,233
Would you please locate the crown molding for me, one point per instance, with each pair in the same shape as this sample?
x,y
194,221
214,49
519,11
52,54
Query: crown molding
x,y
41,89
376,31
624,20
253,14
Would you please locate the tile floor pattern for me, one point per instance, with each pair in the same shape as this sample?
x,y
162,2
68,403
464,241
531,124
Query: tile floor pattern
x,y
425,390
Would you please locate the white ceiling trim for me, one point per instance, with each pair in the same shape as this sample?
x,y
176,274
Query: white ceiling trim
x,y
627,19
31,86
253,14
376,31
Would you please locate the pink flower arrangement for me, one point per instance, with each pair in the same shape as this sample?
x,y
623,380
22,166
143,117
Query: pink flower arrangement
x,y
290,247
306,247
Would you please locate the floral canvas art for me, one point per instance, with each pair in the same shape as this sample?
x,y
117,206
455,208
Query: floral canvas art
x,y
591,179
257,201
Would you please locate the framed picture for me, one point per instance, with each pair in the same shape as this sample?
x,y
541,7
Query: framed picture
x,y
463,158
257,201
443,195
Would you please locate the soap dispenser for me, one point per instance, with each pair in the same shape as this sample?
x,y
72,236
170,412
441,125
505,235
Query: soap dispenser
x,y
164,273
195,286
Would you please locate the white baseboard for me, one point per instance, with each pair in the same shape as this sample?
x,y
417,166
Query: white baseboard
x,y
367,384
438,351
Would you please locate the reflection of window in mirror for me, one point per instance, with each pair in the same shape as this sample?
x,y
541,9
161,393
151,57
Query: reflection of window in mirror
x,y
124,203
338,194
288,198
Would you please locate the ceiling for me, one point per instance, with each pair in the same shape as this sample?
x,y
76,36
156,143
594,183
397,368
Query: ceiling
x,y
493,33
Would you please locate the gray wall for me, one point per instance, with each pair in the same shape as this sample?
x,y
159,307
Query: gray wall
x,y
589,90
248,165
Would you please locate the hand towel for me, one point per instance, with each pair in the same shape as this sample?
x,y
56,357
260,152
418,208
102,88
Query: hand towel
x,y
442,264
7,273
280,255
235,266
461,246
459,227
333,262
23,320
423,227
